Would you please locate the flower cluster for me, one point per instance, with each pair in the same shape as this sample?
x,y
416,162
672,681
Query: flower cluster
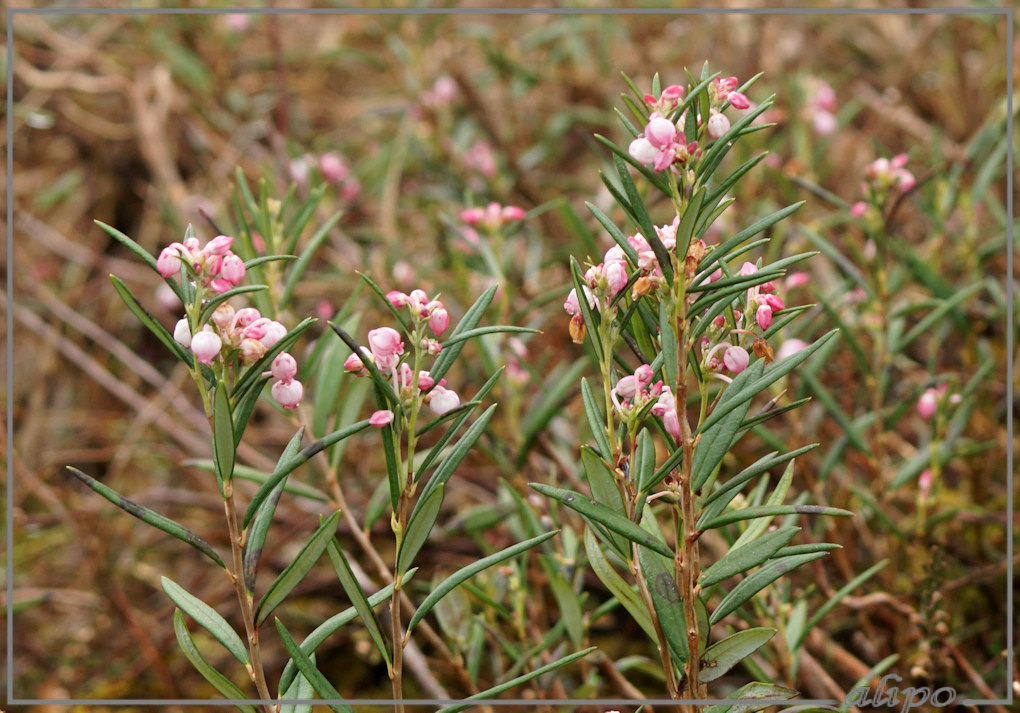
x,y
214,265
386,347
821,106
492,217
928,404
633,393
884,176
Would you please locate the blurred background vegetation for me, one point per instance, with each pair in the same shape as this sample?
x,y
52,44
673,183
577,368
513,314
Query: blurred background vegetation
x,y
142,121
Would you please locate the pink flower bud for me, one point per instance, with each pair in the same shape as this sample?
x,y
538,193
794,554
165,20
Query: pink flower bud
x,y
232,270
385,342
790,346
718,125
747,269
288,393
439,320
763,316
644,375
169,262
715,275
905,180
442,400
471,216
924,483
397,299
247,315
251,350
219,245
355,366
284,367
512,213
738,100
858,209
627,387
219,285
224,318
736,359
274,333
431,346
616,276
381,418
927,404
797,279
672,92
824,123
671,422
642,150
258,328
425,381
206,345
775,302
182,333
571,305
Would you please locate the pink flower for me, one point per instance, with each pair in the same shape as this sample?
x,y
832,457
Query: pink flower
x,y
927,404
738,100
924,483
251,350
288,393
660,132
431,346
671,422
736,359
439,320
381,418
182,332
169,262
748,269
397,299
355,365
513,213
247,316
284,367
274,333
616,276
219,245
642,150
385,342
763,316
796,279
425,381
206,345
333,168
232,269
718,125
790,346
442,400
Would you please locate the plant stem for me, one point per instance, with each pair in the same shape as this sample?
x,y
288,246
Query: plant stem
x,y
245,599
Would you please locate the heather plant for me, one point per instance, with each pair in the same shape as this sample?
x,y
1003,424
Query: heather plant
x,y
680,330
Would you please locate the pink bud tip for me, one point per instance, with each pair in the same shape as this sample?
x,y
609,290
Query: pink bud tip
x,y
354,365
232,269
763,316
219,245
182,333
738,100
333,168
397,298
381,418
385,342
206,345
169,262
439,320
274,333
718,125
858,209
284,367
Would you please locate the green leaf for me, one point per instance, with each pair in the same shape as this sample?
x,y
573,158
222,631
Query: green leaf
x,y
643,220
590,316
616,584
444,471
769,693
935,316
752,584
615,233
602,482
149,517
721,656
327,628
289,463
210,306
130,244
659,579
208,618
643,467
243,408
292,575
479,331
469,321
506,686
549,404
419,526
663,470
400,316
776,498
685,230
150,322
771,510
257,261
722,250
567,602
603,515
667,340
741,559
595,419
358,599
300,689
220,682
223,434
464,573
304,664
297,270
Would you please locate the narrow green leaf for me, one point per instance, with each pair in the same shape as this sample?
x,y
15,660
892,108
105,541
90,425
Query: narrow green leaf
x,y
149,517
590,316
506,686
419,527
615,233
208,618
936,316
223,434
604,516
220,682
210,306
357,596
741,559
771,510
549,404
130,244
296,225
289,463
769,693
449,464
643,219
595,419
244,406
643,467
667,341
685,230
257,261
469,321
768,221
296,271
292,575
304,664
150,322
721,656
752,584
568,603
659,578
300,689
464,573
437,449
777,497
479,331
616,584
398,315
838,597
329,627
620,153
665,469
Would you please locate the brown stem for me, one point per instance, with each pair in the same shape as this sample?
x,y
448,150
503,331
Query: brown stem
x,y
236,574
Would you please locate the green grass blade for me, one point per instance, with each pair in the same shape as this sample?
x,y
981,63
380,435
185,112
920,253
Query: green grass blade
x,y
208,618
